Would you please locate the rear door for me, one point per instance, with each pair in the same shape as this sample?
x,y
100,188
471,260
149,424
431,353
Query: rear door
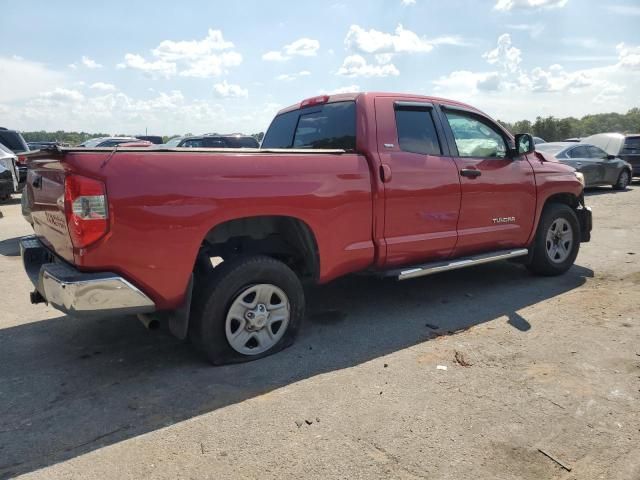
x,y
498,190
421,185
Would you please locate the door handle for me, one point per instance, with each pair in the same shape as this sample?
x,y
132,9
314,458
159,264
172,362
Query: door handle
x,y
385,173
470,172
578,163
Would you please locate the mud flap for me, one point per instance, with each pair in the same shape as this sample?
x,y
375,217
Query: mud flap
x,y
585,218
179,318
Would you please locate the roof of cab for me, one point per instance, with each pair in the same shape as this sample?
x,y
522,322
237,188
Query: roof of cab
x,y
350,96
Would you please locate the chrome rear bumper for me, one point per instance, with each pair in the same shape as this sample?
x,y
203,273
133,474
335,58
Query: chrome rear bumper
x,y
78,293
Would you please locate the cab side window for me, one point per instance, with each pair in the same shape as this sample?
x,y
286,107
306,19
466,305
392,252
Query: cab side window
x,y
476,138
417,132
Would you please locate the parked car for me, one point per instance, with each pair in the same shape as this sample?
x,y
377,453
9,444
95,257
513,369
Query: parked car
x,y
626,147
107,142
597,166
538,140
41,145
391,185
8,173
14,141
218,141
154,139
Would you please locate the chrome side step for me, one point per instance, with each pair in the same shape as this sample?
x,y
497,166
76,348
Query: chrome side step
x,y
436,267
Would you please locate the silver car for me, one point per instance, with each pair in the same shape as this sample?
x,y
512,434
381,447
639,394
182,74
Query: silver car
x,y
597,166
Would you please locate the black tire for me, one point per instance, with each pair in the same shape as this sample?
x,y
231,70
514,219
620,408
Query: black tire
x,y
624,179
215,292
541,263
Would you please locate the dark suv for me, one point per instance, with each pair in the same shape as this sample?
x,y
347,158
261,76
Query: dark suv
x,y
13,141
219,141
631,152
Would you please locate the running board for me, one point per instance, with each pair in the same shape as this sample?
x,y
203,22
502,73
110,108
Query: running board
x,y
436,267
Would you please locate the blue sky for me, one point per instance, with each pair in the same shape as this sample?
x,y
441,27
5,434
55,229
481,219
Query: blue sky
x,y
200,67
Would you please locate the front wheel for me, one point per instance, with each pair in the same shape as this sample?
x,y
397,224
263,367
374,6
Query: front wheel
x,y
245,309
557,241
623,180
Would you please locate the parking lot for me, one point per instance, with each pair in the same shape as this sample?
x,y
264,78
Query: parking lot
x,y
481,373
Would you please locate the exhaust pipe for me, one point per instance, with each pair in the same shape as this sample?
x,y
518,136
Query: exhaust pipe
x,y
150,322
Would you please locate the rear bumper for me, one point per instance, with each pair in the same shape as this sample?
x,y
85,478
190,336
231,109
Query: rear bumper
x,y
78,293
585,218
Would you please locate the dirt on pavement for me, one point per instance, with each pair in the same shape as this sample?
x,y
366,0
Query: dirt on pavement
x,y
481,373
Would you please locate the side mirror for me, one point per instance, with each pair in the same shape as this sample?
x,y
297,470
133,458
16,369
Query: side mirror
x,y
610,157
524,144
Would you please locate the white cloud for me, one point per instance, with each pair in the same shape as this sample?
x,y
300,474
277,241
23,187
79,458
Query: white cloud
x,y
292,76
505,54
229,90
624,9
62,95
274,56
104,87
303,47
209,57
23,79
357,66
506,5
157,67
374,41
90,63
73,66
408,2
513,92
628,56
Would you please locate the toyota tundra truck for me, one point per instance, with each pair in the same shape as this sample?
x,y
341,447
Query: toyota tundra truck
x,y
219,242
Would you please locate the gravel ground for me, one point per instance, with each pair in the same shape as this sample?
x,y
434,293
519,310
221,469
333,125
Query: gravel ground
x,y
480,373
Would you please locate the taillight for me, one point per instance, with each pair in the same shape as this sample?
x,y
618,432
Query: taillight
x,y
85,206
22,159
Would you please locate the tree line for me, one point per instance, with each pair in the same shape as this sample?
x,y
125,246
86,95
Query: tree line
x,y
554,129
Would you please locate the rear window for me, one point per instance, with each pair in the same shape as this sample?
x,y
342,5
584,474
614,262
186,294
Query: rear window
x,y
13,141
632,145
332,125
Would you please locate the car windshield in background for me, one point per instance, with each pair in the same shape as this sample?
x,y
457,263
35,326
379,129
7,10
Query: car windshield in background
x,y
550,148
174,142
91,143
328,126
13,141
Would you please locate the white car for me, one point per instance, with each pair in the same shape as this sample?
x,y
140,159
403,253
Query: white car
x,y
8,173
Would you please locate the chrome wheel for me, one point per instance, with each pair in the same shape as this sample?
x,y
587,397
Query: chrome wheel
x,y
559,240
257,319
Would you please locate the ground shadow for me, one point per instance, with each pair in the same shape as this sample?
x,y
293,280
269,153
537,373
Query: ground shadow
x,y
70,386
14,200
593,191
10,247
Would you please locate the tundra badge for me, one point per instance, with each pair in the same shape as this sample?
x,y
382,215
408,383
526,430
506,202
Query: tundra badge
x,y
504,220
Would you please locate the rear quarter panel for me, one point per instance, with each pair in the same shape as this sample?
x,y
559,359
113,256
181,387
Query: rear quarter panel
x,y
162,204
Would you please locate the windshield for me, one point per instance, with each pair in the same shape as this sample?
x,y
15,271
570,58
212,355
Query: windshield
x,y
173,142
550,148
328,126
91,143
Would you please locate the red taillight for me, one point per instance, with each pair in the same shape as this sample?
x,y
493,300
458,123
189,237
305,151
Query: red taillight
x,y
85,206
314,101
22,159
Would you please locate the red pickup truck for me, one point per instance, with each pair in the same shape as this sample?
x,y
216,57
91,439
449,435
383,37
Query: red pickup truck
x,y
390,184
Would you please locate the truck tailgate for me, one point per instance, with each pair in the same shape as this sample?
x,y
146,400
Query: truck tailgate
x,y
45,182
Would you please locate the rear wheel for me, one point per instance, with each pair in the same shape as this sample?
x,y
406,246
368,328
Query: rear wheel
x,y
623,180
557,241
245,309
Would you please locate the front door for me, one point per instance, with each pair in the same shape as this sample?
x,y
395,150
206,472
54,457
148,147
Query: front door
x,y
589,166
421,185
498,190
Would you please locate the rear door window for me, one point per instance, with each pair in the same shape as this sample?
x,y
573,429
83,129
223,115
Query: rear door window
x,y
329,126
579,152
416,131
596,153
